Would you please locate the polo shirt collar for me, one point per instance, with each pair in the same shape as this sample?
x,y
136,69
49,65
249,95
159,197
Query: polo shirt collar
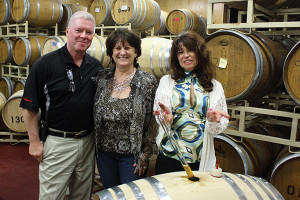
x,y
67,58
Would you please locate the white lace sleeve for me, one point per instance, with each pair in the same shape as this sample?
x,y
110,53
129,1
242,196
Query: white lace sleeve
x,y
217,101
163,93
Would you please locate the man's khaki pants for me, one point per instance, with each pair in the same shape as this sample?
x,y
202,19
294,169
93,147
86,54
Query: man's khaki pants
x,y
67,163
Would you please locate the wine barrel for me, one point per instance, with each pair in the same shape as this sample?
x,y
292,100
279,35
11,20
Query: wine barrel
x,y
247,65
161,27
252,157
5,11
38,13
53,43
6,50
27,51
176,185
180,20
155,56
19,85
2,100
142,14
6,86
68,11
12,114
101,10
286,172
291,73
98,50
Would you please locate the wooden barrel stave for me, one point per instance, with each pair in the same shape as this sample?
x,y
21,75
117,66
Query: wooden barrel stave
x,y
19,85
155,56
12,114
246,65
101,10
6,86
98,50
5,11
27,51
286,172
6,51
142,14
291,73
161,27
53,43
176,185
37,12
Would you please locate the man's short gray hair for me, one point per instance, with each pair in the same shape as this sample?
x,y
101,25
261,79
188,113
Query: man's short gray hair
x,y
82,14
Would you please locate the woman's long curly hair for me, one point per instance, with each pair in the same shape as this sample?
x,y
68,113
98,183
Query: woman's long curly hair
x,y
204,69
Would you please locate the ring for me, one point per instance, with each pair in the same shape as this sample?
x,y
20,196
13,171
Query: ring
x,y
145,167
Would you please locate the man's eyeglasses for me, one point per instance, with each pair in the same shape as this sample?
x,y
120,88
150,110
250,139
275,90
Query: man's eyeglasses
x,y
70,77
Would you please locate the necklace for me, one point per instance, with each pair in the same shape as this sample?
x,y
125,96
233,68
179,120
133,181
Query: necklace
x,y
120,87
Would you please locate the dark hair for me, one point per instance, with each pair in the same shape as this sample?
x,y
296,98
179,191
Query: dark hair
x,y
204,69
123,35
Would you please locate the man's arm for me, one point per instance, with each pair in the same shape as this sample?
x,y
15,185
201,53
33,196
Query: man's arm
x,y
31,122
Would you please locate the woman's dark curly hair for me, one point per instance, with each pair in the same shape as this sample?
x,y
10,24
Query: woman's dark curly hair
x,y
123,35
204,69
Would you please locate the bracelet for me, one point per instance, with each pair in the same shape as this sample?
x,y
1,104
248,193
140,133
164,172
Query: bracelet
x,y
143,157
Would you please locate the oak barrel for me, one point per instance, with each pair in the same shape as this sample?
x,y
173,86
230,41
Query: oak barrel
x,y
68,11
180,20
2,100
19,85
176,185
98,50
53,43
252,157
101,10
12,114
6,50
291,73
142,14
5,11
286,172
38,13
248,66
6,86
155,56
27,51
161,27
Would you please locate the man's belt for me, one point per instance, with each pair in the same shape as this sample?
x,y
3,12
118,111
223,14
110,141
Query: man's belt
x,y
68,134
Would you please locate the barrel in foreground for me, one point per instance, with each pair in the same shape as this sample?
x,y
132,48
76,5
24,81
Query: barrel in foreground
x,y
176,185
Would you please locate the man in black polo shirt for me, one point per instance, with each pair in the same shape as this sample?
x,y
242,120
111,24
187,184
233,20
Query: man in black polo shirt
x,y
64,80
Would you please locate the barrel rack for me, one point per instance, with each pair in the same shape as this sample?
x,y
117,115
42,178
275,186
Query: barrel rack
x,y
248,115
253,11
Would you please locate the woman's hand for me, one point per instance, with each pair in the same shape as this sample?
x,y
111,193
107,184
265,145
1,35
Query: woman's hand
x,y
143,167
166,112
215,115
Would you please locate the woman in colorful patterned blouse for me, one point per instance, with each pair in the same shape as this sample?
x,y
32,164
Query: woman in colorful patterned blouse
x,y
193,102
123,110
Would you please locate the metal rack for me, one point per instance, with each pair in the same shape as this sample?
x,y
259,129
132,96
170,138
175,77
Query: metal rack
x,y
14,71
13,137
252,12
247,116
24,30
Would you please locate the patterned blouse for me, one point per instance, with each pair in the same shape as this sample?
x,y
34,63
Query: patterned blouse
x,y
189,120
125,125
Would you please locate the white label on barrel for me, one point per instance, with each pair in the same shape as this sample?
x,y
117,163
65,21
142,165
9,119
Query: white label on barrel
x,y
223,63
54,44
97,9
124,8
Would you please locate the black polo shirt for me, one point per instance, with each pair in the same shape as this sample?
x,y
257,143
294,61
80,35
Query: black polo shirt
x,y
69,111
